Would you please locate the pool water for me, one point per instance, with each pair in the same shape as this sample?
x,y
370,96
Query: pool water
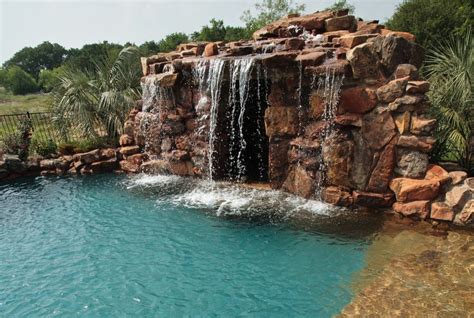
x,y
114,246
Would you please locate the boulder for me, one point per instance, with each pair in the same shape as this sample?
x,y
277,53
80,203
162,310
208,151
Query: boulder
x,y
392,90
349,119
420,209
211,49
128,166
467,214
294,44
48,164
372,200
137,158
404,70
108,153
357,100
129,150
407,189
330,36
378,128
339,67
337,155
440,211
422,126
87,157
125,140
406,35
316,105
402,121
165,79
458,196
155,167
337,196
457,177
311,59
411,163
362,161
181,168
350,41
103,166
417,87
363,60
279,59
435,172
281,121
424,144
277,160
408,103
300,182
347,22
396,50
383,170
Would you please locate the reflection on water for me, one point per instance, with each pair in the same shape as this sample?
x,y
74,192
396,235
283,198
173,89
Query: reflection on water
x,y
413,273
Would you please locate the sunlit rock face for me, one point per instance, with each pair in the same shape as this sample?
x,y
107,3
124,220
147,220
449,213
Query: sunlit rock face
x,y
312,102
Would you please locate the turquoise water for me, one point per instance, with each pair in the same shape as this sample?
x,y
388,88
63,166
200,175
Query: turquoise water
x,y
113,246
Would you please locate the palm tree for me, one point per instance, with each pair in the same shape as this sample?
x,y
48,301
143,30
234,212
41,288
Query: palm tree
x,y
93,103
450,70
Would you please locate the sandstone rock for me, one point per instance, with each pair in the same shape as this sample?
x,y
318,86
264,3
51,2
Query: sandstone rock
x,y
357,100
165,79
441,211
352,40
404,70
281,121
420,209
349,119
311,59
330,36
137,158
279,59
378,128
48,164
424,144
181,168
383,171
294,44
402,121
362,161
467,214
457,177
241,50
337,155
422,126
411,163
155,167
128,166
417,87
364,61
396,50
408,103
341,67
108,153
299,182
87,157
211,49
103,166
347,22
407,190
277,161
470,183
86,170
372,200
458,196
316,104
337,196
129,128
391,91
129,150
406,35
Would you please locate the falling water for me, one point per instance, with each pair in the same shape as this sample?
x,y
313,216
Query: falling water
x,y
261,166
329,87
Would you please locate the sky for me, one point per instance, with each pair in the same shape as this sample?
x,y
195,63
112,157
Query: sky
x,y
73,23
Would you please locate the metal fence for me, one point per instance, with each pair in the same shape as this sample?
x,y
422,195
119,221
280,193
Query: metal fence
x,y
42,125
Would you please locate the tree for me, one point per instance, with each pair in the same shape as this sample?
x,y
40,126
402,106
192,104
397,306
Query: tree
x,y
48,79
149,48
269,11
217,31
19,82
44,56
91,101
341,5
450,70
433,21
171,41
86,57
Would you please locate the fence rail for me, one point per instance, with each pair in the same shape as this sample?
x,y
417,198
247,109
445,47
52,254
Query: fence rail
x,y
42,125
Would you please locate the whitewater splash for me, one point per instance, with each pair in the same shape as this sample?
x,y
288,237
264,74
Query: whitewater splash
x,y
225,199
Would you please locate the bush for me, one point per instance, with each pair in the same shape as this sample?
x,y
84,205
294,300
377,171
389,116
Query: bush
x,y
18,142
44,148
48,79
85,145
19,82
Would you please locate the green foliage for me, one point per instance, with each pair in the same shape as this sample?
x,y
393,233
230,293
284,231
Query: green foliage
x,y
217,31
433,21
341,5
18,81
86,57
450,70
18,142
149,48
86,144
34,59
171,41
48,79
91,103
269,11
43,148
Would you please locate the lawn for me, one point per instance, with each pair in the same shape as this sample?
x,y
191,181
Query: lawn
x,y
15,104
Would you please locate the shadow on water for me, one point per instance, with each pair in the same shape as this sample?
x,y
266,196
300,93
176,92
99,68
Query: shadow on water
x,y
257,205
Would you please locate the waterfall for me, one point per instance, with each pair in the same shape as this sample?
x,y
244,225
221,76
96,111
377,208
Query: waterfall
x,y
240,75
209,74
261,165
329,87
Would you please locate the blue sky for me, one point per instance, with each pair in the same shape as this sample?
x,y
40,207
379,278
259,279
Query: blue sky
x,y
75,23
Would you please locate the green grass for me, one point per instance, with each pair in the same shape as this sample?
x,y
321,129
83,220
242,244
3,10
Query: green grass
x,y
16,104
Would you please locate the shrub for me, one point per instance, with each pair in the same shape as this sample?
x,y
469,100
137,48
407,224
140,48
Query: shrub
x,y
18,142
85,145
44,148
19,82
